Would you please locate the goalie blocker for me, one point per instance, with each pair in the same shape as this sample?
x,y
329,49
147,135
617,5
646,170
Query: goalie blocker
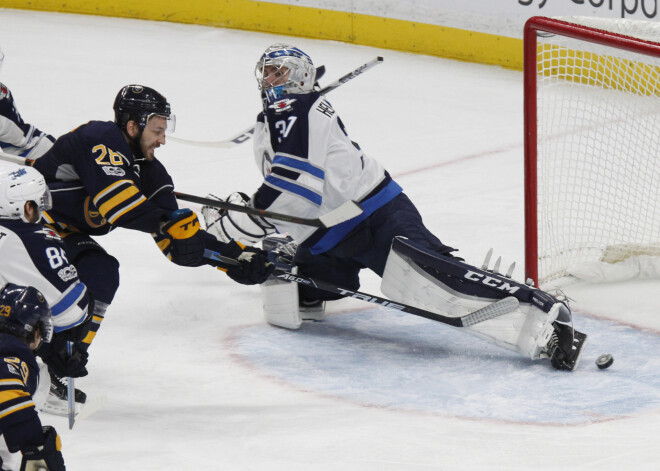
x,y
539,328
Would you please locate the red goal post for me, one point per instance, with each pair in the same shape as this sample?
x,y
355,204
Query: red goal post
x,y
592,142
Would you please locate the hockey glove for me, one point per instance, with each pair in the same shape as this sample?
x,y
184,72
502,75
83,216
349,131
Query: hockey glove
x,y
254,267
63,365
45,457
180,239
232,225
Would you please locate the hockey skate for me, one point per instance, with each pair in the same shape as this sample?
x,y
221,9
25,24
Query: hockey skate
x,y
57,401
311,310
565,347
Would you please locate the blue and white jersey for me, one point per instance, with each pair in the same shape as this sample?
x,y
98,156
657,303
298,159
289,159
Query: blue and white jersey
x,y
16,136
34,255
311,167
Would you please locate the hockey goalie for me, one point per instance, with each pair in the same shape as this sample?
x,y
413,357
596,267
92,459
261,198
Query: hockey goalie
x,y
310,167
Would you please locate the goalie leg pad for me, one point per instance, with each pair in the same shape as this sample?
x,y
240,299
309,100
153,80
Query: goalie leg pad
x,y
428,285
280,303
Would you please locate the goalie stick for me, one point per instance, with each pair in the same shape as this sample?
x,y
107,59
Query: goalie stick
x,y
346,211
496,309
247,133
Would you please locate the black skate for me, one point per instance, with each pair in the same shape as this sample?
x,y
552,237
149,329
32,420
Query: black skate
x,y
565,347
57,402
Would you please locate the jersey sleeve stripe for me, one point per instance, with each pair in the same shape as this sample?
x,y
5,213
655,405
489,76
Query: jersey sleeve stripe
x,y
69,298
294,188
123,210
4,412
110,188
108,203
290,162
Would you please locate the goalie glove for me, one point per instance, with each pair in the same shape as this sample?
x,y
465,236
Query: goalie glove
x,y
47,457
227,225
181,240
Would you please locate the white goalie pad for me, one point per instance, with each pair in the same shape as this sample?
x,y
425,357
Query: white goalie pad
x,y
525,330
280,303
228,225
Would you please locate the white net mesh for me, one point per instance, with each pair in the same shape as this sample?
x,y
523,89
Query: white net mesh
x,y
598,148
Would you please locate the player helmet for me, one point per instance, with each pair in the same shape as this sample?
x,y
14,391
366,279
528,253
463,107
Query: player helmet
x,y
288,62
18,185
22,310
138,103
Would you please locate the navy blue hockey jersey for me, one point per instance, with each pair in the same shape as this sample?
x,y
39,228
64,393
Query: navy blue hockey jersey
x,y
96,183
19,377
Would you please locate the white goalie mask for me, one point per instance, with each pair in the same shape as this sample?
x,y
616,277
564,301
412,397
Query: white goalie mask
x,y
284,69
18,185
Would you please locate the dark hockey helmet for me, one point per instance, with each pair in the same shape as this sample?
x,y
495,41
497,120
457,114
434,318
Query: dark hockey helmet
x,y
22,310
138,103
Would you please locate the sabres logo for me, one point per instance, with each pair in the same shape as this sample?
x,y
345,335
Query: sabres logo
x,y
285,104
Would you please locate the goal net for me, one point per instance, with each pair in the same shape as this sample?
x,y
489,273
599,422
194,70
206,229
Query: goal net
x,y
592,143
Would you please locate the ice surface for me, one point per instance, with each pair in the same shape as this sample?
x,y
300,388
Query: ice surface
x,y
194,378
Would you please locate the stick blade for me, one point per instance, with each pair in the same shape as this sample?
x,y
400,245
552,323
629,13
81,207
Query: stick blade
x,y
346,211
496,309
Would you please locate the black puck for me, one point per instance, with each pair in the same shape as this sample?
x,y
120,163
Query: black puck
x,y
604,361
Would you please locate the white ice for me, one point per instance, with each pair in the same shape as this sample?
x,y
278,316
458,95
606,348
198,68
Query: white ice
x,y
195,380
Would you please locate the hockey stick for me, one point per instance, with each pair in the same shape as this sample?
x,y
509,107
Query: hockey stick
x,y
247,133
16,159
346,211
70,392
496,309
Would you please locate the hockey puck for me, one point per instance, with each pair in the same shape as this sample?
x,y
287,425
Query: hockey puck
x,y
604,361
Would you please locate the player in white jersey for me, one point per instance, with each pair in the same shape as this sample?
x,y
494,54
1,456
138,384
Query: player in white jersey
x,y
34,255
310,167
16,136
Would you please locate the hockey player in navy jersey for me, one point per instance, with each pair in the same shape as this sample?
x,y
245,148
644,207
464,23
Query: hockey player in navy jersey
x,y
310,167
34,255
16,136
25,322
105,175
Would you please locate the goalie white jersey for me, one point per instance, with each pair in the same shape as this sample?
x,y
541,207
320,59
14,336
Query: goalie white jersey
x,y
311,167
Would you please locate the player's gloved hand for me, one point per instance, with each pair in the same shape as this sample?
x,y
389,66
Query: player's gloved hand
x,y
45,457
254,265
60,362
79,332
180,239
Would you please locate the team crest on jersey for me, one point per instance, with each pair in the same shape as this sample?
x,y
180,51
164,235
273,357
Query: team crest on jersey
x,y
285,104
4,92
48,233
93,216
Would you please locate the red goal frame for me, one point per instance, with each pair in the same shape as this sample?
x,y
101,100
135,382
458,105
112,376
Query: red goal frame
x,y
572,30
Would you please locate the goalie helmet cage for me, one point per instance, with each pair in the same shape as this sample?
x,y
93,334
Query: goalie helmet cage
x,y
592,142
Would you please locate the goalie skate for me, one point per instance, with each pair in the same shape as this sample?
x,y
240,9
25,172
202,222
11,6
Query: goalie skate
x,y
565,347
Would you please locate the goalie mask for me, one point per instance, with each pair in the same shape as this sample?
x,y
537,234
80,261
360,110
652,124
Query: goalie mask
x,y
284,70
18,186
23,310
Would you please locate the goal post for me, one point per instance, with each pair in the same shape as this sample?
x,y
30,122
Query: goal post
x,y
592,142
